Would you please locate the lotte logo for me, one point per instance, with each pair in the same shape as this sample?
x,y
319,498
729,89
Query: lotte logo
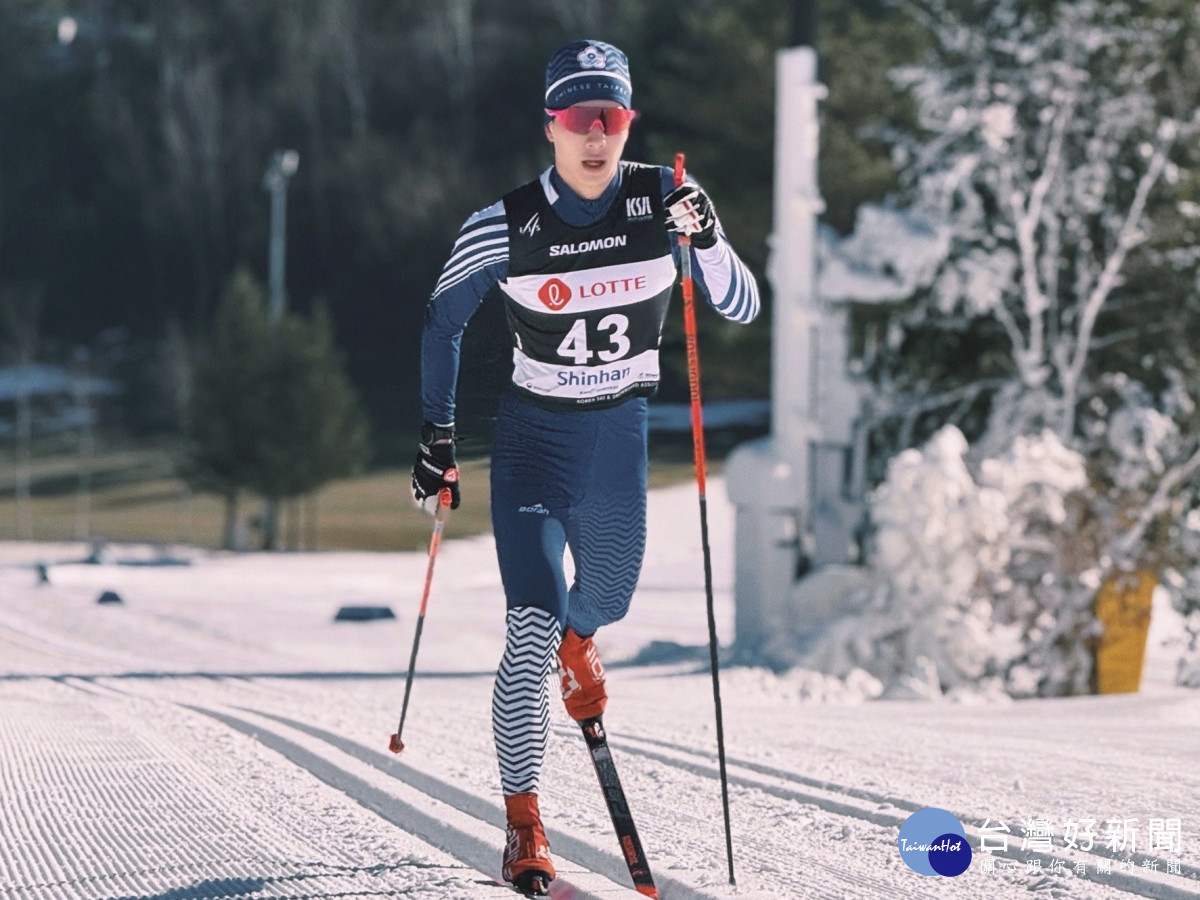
x,y
555,294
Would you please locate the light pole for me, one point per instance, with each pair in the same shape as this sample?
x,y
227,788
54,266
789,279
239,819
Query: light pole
x,y
275,181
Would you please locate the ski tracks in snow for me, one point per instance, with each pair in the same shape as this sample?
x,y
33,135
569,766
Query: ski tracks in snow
x,y
159,754
139,787
111,797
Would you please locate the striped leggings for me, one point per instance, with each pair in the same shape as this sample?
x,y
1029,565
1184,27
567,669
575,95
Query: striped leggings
x,y
577,480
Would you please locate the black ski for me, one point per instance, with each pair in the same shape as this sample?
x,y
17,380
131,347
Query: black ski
x,y
618,809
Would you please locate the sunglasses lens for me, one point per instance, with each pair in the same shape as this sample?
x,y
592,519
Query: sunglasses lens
x,y
580,119
619,119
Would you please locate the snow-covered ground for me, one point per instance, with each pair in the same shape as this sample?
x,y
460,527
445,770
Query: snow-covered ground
x,y
219,735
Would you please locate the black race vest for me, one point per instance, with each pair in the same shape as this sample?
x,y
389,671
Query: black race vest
x,y
585,306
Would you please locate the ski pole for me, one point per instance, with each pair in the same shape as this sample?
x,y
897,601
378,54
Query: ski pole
x,y
439,522
693,358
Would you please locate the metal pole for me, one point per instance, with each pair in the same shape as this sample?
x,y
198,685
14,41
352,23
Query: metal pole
x,y
275,181
283,166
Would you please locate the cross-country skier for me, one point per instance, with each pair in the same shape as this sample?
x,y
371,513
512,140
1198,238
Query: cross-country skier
x,y
585,260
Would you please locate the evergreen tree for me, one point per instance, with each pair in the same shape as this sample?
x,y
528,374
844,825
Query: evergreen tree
x,y
272,410
315,430
229,402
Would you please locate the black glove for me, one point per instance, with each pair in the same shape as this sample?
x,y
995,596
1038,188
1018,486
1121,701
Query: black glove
x,y
690,213
435,468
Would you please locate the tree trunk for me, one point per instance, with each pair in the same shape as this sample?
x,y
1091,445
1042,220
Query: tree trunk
x,y
229,541
270,524
310,520
294,524
24,477
84,461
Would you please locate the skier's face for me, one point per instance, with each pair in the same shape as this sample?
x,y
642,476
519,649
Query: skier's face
x,y
587,162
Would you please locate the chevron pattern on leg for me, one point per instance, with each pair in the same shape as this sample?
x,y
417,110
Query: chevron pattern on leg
x,y
520,699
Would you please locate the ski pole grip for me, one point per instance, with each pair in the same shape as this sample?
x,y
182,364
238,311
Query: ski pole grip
x,y
678,170
444,498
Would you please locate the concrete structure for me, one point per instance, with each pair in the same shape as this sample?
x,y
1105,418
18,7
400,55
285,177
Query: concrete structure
x,y
770,480
800,493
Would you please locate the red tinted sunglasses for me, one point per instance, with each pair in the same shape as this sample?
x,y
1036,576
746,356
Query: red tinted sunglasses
x,y
580,119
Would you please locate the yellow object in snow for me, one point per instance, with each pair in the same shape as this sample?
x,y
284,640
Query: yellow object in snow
x,y
1123,608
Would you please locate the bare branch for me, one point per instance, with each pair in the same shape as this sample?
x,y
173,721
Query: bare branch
x,y
1156,505
960,397
1015,335
1127,334
1127,238
1026,217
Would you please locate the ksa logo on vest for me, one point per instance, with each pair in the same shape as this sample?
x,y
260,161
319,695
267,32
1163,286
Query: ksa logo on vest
x,y
638,208
555,293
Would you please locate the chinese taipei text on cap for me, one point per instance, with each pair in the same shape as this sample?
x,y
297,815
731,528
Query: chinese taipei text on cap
x,y
933,842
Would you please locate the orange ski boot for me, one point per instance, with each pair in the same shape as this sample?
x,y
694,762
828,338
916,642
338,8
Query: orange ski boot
x,y
527,864
582,677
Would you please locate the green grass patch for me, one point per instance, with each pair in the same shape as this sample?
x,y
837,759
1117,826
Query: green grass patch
x,y
370,512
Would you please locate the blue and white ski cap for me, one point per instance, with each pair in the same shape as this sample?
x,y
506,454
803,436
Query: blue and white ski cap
x,y
587,70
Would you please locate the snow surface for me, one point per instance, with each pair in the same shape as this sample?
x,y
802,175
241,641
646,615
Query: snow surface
x,y
219,735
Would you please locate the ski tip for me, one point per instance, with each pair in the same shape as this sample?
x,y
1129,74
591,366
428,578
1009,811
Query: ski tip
x,y
647,890
395,744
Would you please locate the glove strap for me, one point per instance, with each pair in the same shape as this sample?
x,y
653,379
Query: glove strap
x,y
433,434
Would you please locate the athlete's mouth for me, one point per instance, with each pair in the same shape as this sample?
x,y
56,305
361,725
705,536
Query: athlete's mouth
x,y
595,164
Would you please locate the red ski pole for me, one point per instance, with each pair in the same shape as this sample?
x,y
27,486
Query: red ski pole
x,y
439,522
693,358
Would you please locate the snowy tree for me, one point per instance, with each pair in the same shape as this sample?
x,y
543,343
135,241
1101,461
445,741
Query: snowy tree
x,y
937,536
1043,627
1049,147
1057,150
978,577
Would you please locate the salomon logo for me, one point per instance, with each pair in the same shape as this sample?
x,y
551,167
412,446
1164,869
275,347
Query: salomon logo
x,y
537,509
637,208
555,294
587,246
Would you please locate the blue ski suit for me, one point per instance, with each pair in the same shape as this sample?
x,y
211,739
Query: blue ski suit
x,y
586,285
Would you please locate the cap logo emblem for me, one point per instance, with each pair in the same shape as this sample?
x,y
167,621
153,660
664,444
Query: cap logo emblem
x,y
591,58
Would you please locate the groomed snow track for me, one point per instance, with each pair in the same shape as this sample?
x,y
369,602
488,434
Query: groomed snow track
x,y
115,789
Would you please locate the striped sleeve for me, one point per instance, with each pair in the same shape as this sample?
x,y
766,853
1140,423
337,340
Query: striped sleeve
x,y
482,242
478,261
719,272
732,289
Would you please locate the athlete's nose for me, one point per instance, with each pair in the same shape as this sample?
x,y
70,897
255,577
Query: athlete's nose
x,y
596,134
